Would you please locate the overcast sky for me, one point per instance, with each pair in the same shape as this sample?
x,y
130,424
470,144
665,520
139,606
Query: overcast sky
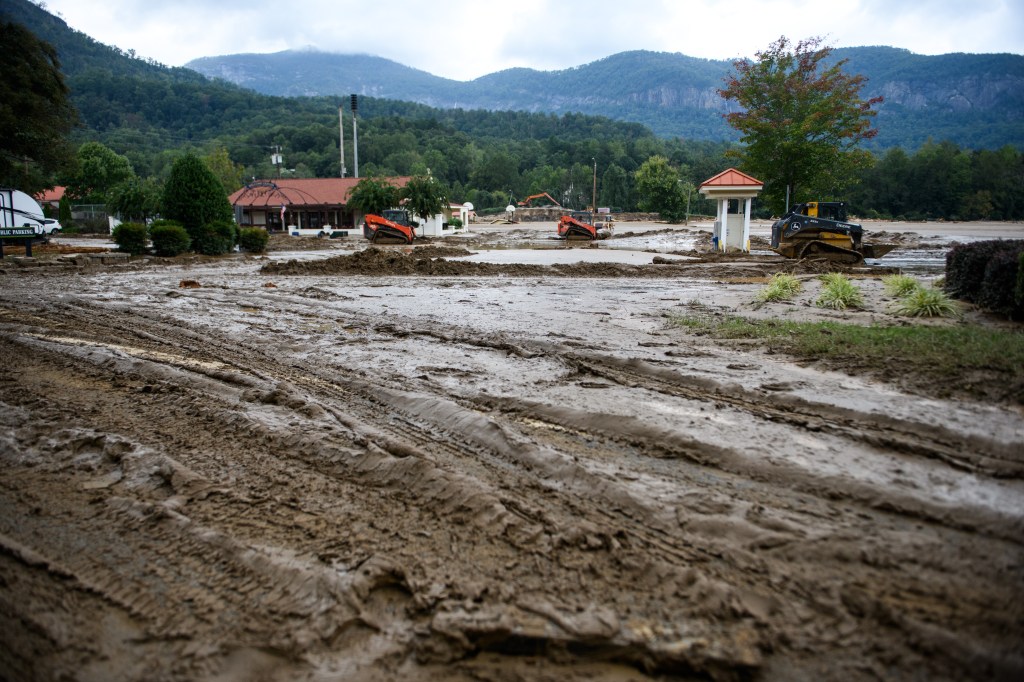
x,y
465,39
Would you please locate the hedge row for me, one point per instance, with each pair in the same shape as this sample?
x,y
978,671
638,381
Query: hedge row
x,y
170,238
990,274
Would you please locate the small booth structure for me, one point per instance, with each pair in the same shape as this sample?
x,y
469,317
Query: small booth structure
x,y
733,189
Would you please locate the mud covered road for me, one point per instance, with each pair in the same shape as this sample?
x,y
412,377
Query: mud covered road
x,y
210,472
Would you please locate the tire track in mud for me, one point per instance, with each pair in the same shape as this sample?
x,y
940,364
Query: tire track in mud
x,y
967,453
629,649
493,474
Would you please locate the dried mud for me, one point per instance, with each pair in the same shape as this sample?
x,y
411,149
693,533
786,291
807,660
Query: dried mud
x,y
368,467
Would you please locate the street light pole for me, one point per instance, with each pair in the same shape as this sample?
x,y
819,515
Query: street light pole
x,y
341,137
355,137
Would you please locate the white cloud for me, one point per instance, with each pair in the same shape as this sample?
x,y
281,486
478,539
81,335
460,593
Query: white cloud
x,y
465,39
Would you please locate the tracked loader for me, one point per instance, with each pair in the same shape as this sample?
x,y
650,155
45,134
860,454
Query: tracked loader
x,y
394,227
821,229
577,226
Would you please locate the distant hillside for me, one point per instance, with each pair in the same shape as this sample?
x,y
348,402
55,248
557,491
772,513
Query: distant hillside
x,y
975,100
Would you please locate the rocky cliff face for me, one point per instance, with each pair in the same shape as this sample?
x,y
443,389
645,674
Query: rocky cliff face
x,y
972,93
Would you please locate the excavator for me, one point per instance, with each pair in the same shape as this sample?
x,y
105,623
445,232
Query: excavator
x,y
821,229
393,226
527,200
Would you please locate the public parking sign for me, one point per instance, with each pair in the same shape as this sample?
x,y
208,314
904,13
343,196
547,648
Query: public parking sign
x,y
26,232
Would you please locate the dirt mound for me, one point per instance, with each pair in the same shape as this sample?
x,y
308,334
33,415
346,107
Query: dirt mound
x,y
436,251
385,262
375,261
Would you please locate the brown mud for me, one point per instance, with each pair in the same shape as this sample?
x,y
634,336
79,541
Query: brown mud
x,y
312,471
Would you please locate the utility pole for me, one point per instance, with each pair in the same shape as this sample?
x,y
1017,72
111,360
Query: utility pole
x,y
341,137
355,136
594,200
276,158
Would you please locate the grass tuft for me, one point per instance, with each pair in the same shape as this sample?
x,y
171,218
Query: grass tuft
x,y
900,285
782,287
839,293
927,303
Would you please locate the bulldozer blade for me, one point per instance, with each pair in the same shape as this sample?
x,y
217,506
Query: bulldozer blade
x,y
876,250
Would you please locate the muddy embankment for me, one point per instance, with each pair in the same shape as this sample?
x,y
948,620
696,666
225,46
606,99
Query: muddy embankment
x,y
317,476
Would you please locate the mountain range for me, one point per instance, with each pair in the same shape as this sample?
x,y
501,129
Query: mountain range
x,y
975,100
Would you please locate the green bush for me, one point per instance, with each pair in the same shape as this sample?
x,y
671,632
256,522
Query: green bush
x,y
988,273
1019,298
214,239
169,238
195,197
455,222
999,285
130,238
91,226
966,265
253,239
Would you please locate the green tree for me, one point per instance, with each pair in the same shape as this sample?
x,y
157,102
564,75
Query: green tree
x,y
940,175
227,171
373,195
425,196
194,196
658,189
36,114
100,169
615,188
64,211
497,172
134,199
801,121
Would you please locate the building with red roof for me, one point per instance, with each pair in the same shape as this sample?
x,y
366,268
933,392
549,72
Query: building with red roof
x,y
51,197
318,204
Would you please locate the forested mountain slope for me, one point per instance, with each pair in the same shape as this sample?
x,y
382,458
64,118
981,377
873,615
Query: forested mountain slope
x,y
976,100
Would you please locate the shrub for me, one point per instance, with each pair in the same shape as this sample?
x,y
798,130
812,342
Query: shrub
x,y
966,265
214,239
782,287
253,239
900,285
169,238
92,226
839,293
1019,297
922,302
999,284
195,197
455,222
130,238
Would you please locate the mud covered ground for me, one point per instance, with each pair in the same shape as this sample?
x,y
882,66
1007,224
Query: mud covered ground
x,y
309,466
